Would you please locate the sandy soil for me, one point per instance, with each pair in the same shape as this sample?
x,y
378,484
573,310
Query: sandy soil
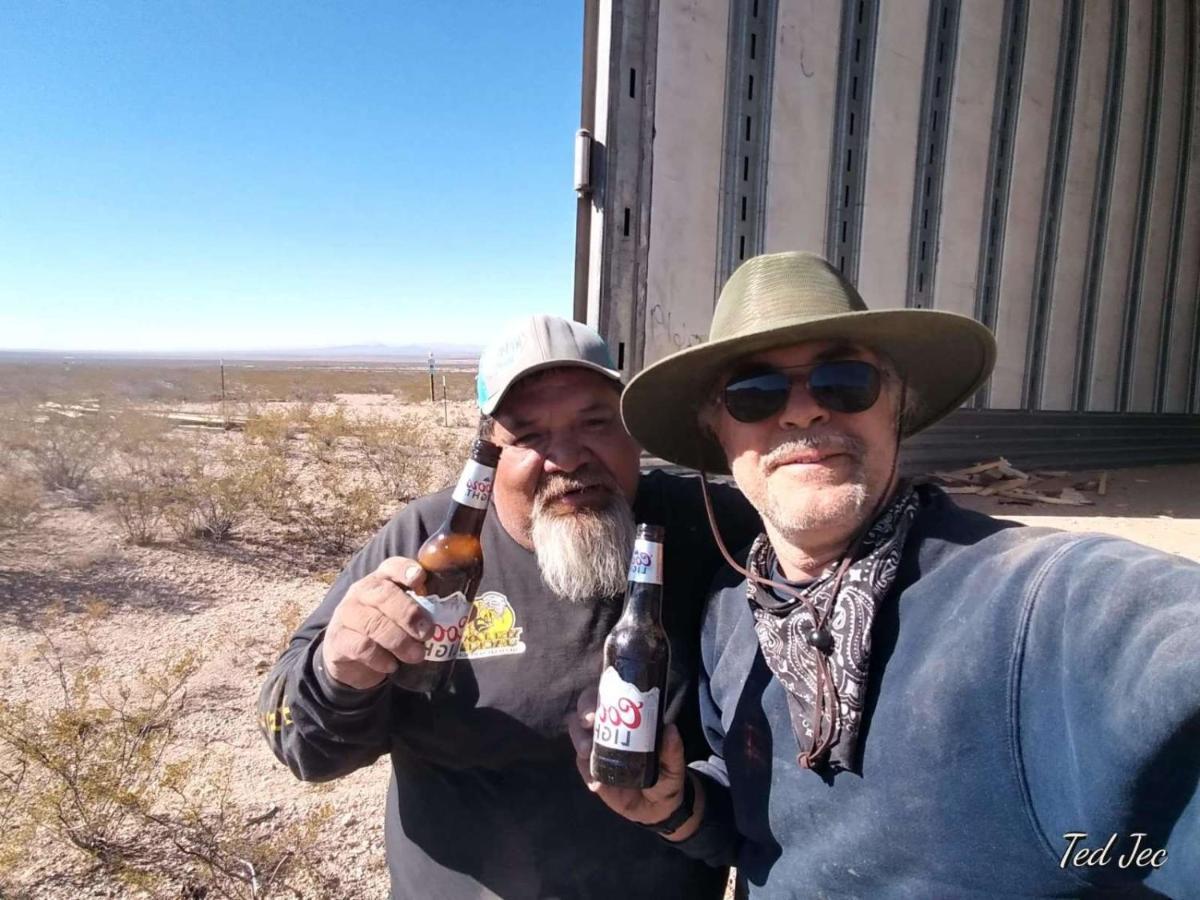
x,y
232,604
1158,506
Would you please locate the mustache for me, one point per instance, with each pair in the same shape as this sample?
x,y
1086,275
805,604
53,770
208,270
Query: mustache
x,y
554,486
816,441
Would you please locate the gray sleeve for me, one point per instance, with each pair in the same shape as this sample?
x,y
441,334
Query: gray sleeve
x,y
317,727
1107,706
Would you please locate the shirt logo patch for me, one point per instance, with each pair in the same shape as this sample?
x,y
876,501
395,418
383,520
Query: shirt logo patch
x,y
494,630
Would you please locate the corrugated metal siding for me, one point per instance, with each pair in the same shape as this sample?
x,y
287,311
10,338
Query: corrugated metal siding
x,y
1064,139
1054,439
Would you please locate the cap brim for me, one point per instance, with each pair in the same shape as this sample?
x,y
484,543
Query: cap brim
x,y
945,358
494,401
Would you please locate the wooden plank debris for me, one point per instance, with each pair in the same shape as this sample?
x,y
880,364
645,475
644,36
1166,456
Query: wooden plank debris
x,y
1004,481
193,420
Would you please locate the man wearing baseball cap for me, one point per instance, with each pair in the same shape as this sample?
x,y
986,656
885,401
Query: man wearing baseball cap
x,y
904,698
484,798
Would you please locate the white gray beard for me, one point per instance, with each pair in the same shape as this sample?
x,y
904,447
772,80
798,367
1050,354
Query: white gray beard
x,y
848,504
584,555
829,505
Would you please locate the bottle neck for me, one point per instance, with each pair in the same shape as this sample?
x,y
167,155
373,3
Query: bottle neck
x,y
464,519
643,602
470,499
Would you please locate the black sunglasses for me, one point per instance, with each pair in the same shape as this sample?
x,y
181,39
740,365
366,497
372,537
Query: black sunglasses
x,y
845,386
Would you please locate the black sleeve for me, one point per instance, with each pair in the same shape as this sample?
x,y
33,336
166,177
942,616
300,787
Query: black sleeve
x,y
692,560
716,841
317,727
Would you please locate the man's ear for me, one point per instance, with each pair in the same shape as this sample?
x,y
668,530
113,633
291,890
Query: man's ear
x,y
706,418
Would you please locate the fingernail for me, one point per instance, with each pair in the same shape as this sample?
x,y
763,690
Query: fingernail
x,y
411,573
422,630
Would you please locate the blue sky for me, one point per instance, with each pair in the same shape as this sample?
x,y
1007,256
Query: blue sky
x,y
224,175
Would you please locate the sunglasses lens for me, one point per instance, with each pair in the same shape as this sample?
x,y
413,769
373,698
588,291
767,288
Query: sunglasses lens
x,y
848,386
754,397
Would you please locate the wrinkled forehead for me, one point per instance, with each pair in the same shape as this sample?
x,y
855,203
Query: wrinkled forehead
x,y
558,391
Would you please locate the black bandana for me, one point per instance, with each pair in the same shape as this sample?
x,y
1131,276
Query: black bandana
x,y
790,638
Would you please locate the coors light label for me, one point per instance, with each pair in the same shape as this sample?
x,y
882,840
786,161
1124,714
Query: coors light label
x,y
645,565
450,616
474,486
626,718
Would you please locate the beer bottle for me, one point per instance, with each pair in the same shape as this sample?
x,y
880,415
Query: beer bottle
x,y
452,558
628,726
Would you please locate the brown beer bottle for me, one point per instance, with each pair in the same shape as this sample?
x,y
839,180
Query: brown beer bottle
x,y
452,558
633,685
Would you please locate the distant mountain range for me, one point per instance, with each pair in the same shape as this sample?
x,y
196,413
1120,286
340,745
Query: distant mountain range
x,y
349,352
372,351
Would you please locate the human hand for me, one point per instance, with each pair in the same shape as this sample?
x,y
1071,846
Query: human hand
x,y
642,805
377,626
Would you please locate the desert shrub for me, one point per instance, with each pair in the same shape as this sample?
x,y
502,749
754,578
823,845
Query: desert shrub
x,y
138,486
326,429
201,381
102,777
338,514
20,497
303,383
301,413
130,430
273,428
269,482
462,415
409,456
220,503
66,450
17,423
137,498
212,498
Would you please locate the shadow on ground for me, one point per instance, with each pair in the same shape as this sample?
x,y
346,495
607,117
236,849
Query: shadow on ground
x,y
26,597
49,565
278,557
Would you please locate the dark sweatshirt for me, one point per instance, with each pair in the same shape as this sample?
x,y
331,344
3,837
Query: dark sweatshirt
x,y
1025,685
485,799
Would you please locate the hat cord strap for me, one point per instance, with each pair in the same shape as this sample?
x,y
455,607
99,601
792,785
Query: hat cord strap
x,y
827,694
827,701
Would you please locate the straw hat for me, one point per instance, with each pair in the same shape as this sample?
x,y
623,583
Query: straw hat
x,y
783,299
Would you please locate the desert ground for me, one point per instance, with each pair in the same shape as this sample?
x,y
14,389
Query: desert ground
x,y
144,594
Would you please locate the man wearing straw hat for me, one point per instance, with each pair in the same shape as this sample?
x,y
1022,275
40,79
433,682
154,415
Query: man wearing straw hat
x,y
905,698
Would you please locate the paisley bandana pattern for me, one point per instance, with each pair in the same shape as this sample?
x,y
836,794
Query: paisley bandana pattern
x,y
783,624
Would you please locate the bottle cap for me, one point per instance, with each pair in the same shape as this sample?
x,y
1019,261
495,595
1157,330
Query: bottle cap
x,y
485,452
651,532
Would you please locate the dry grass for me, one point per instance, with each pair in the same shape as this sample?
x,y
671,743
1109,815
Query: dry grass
x,y
20,500
93,771
319,476
101,775
190,382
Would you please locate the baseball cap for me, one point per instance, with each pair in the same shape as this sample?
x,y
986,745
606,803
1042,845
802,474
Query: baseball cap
x,y
535,343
